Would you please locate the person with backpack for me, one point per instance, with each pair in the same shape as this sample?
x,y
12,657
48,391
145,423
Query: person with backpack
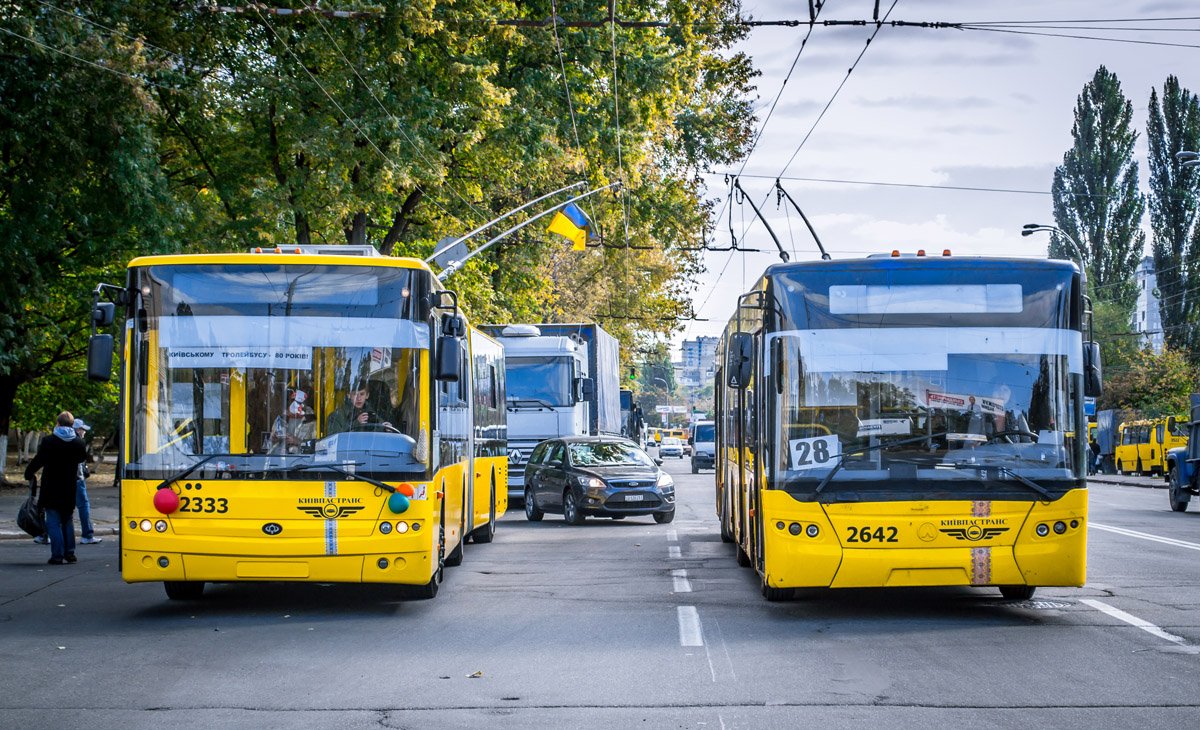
x,y
58,457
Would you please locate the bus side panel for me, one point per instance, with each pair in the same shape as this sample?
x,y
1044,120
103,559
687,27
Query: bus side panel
x,y
491,478
451,481
1055,560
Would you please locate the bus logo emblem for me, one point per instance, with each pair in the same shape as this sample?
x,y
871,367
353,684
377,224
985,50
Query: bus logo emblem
x,y
974,533
272,528
330,510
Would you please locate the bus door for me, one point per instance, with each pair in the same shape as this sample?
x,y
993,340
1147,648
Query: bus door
x,y
1145,447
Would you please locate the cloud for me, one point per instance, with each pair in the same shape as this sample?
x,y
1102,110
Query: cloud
x,y
927,103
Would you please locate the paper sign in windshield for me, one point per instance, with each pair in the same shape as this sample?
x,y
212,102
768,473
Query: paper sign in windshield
x,y
815,453
955,401
294,358
885,427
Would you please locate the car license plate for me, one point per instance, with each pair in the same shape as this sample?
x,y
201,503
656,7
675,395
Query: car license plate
x,y
634,497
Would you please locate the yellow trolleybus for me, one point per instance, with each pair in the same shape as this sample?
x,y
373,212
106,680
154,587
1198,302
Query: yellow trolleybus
x,y
315,414
907,421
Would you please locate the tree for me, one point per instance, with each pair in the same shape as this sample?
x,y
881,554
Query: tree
x,y
80,185
1095,190
1153,385
1173,211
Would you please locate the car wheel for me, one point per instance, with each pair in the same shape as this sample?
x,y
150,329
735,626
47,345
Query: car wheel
x,y
532,513
571,511
1175,494
184,590
663,518
1017,593
695,469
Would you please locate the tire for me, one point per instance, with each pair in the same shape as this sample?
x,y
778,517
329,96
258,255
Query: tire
x,y
695,469
487,532
618,517
773,594
571,511
1017,593
663,518
532,513
1119,472
1175,494
742,558
184,590
726,536
430,589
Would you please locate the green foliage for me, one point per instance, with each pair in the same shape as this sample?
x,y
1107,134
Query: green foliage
x,y
1173,127
1095,190
1118,342
1152,384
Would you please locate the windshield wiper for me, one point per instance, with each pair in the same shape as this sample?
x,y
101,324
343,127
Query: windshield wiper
x,y
339,470
184,472
862,450
1026,481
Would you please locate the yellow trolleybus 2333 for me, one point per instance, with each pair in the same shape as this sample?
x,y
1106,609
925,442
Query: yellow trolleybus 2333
x,y
317,415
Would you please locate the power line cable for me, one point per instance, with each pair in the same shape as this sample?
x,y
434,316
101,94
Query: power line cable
x,y
1082,37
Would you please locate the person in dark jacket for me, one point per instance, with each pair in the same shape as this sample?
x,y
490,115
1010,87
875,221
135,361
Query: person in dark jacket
x,y
58,457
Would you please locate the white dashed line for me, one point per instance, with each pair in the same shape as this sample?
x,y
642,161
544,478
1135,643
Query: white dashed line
x,y
673,551
1146,536
1132,620
672,536
689,627
682,584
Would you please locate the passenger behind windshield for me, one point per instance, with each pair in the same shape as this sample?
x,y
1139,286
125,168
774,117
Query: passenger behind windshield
x,y
360,412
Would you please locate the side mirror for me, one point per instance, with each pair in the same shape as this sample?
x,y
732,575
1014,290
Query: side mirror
x,y
1171,424
447,359
691,440
585,389
99,356
658,461
1093,386
739,359
103,313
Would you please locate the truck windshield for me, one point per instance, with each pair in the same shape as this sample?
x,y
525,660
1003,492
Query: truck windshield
x,y
705,434
270,371
544,381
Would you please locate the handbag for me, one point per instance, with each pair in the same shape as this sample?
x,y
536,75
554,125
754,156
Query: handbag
x,y
30,517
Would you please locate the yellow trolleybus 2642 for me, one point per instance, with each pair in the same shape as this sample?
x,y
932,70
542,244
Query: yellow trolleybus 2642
x,y
907,421
316,415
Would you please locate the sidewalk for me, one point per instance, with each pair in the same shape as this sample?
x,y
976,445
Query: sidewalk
x,y
102,496
1129,481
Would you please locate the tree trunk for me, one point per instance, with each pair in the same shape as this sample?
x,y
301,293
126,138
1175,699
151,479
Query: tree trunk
x,y
8,394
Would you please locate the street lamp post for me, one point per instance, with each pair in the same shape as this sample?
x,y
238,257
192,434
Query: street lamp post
x,y
1031,228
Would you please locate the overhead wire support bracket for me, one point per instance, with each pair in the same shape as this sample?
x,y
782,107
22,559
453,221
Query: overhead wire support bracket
x,y
455,266
783,255
780,194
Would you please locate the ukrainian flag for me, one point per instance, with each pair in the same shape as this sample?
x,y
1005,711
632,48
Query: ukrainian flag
x,y
572,224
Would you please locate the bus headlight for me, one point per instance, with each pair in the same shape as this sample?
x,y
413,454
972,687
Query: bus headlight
x,y
160,526
1042,530
385,528
812,530
1060,527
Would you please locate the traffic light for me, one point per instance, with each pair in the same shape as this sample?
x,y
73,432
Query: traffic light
x,y
632,373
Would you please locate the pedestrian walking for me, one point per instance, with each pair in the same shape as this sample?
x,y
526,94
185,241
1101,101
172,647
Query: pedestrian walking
x,y
58,457
87,533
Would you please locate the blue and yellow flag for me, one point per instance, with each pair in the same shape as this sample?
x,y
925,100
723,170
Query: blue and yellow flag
x,y
572,224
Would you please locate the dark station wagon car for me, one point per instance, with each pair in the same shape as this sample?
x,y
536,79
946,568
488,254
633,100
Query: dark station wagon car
x,y
598,476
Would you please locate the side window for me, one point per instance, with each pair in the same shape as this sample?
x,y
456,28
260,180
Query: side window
x,y
1158,433
556,457
539,454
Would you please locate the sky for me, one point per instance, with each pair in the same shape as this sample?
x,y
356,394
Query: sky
x,y
926,107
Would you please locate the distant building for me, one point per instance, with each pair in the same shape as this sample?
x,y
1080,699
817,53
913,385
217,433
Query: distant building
x,y
696,368
1147,318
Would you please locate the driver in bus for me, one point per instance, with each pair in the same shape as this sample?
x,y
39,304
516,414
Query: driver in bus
x,y
355,413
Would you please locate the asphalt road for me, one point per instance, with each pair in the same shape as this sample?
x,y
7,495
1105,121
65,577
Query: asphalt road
x,y
614,624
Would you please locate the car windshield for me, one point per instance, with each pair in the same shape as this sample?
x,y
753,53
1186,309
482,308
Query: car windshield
x,y
671,441
608,453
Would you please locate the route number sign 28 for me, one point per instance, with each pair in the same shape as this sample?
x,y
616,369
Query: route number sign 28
x,y
815,453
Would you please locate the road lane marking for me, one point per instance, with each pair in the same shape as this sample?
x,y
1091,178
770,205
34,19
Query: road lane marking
x,y
673,551
1132,620
1146,536
672,536
682,584
689,626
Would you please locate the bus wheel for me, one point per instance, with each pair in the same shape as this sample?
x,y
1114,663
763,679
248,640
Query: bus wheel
x,y
1017,593
726,536
773,594
1119,471
488,531
184,590
1175,493
742,558
455,558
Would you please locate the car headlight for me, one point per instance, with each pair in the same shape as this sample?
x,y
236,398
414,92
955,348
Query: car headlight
x,y
665,481
590,482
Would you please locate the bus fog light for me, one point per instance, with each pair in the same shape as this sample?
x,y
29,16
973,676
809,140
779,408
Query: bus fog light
x,y
160,526
383,563
778,525
1060,527
133,524
401,528
163,562
1042,530
146,525
812,530
416,527
385,528
1074,524
794,528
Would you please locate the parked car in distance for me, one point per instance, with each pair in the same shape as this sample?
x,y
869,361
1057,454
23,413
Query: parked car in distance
x,y
704,445
597,476
670,446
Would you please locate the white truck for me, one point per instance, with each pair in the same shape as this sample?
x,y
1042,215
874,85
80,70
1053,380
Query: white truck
x,y
562,380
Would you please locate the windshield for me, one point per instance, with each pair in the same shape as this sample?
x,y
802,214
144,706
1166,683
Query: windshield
x,y
608,454
544,381
272,371
705,434
926,385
